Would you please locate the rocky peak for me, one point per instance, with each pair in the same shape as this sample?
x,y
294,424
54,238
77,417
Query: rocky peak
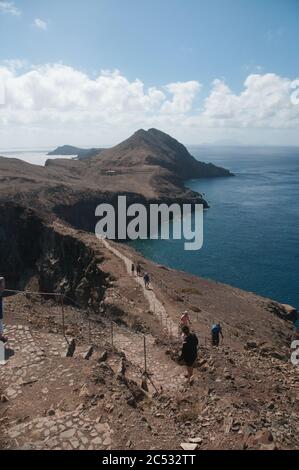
x,y
156,148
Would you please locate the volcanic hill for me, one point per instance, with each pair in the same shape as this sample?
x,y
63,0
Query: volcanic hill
x,y
149,166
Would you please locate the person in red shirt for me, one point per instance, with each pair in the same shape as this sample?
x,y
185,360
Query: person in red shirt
x,y
184,321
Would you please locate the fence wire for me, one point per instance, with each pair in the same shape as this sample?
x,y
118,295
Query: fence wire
x,y
136,346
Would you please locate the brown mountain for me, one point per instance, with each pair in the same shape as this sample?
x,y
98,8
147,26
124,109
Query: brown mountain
x,y
155,148
148,166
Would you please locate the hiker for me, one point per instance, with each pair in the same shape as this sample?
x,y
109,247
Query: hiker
x,y
2,288
189,350
216,331
185,319
146,279
138,269
133,269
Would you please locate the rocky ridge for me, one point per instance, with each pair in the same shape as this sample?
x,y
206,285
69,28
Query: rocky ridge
x,y
244,394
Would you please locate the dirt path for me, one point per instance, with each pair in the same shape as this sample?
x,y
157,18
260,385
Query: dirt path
x,y
154,303
164,372
37,375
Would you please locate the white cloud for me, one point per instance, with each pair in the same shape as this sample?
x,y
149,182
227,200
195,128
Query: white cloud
x,y
58,99
265,102
58,92
183,97
40,24
9,8
14,64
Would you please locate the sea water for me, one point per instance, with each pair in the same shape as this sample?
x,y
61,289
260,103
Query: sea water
x,y
251,230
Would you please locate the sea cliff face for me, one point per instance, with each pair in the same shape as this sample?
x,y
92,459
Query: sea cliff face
x,y
32,250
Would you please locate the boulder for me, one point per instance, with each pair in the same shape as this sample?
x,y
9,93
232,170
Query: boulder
x,y
278,355
263,437
196,440
228,422
268,447
189,446
132,402
3,399
290,311
84,352
103,356
250,345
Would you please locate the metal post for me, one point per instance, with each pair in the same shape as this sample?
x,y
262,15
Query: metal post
x,y
89,331
63,319
62,313
111,333
145,358
2,354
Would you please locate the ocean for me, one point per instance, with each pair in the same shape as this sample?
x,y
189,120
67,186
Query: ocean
x,y
36,157
251,229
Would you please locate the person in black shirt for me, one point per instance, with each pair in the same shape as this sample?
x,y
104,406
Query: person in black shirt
x,y
133,269
189,350
146,280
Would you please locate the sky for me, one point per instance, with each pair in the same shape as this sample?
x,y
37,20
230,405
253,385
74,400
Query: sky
x,y
92,72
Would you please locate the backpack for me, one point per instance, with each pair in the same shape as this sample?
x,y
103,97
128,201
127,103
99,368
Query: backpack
x,y
216,329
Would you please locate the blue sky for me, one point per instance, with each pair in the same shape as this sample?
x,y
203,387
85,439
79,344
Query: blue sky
x,y
158,42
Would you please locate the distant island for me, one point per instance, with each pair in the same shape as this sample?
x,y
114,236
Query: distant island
x,y
76,151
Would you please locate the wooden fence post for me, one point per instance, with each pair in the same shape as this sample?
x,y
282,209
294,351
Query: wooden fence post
x,y
62,314
89,330
145,356
111,333
2,353
63,319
